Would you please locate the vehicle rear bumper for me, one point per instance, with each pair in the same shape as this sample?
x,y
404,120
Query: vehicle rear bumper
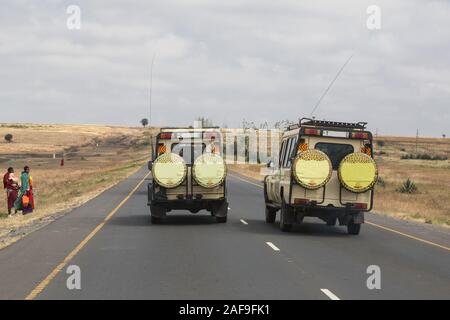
x,y
193,205
343,214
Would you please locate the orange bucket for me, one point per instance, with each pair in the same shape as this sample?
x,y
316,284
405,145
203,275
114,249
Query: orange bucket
x,y
25,201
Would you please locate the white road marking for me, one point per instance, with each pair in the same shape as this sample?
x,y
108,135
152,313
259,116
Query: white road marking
x,y
243,221
274,247
330,294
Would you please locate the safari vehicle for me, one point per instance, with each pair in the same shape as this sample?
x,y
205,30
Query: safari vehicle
x,y
325,170
188,173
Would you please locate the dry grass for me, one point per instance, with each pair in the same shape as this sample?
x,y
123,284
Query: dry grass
x,y
431,204
96,158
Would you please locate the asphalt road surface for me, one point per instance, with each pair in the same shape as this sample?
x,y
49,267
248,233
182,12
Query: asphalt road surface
x,y
122,256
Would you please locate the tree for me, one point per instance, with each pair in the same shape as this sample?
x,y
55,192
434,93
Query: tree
x,y
444,136
8,137
144,122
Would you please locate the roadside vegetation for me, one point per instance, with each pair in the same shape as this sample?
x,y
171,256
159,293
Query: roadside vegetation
x,y
95,158
408,187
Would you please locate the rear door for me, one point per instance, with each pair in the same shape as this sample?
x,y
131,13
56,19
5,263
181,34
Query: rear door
x,y
337,151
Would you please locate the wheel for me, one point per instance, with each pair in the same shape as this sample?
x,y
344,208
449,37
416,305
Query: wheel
x,y
353,228
157,214
285,227
221,219
331,222
271,214
266,198
155,220
220,211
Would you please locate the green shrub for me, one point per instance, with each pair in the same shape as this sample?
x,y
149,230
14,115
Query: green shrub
x,y
8,137
422,156
408,187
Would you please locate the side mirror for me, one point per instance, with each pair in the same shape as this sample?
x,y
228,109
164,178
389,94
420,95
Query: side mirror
x,y
150,165
270,164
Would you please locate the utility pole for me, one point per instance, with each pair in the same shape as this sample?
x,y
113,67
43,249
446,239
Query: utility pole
x,y
417,140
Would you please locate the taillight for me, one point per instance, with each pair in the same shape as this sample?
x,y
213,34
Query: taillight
x,y
361,206
359,135
166,135
300,201
210,135
312,132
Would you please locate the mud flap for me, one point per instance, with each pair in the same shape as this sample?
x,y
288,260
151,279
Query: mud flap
x,y
220,209
358,218
157,211
149,193
290,216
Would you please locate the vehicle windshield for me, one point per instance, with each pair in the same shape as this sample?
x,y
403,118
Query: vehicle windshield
x,y
335,151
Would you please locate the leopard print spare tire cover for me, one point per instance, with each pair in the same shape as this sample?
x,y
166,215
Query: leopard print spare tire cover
x,y
358,172
312,169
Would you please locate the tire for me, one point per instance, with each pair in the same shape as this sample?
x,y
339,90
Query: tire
x,y
266,198
285,227
353,228
271,214
157,213
220,211
221,219
155,220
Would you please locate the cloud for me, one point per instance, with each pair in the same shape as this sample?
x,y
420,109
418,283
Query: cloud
x,y
257,60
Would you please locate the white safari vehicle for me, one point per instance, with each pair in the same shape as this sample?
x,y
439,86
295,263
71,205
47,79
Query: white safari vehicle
x,y
325,170
188,172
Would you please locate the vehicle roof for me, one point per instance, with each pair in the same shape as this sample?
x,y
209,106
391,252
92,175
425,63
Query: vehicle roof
x,y
325,125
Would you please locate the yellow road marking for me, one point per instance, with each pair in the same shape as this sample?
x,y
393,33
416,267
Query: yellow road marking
x,y
408,236
375,225
44,283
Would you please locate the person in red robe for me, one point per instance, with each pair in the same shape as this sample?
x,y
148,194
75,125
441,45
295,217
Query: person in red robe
x,y
11,184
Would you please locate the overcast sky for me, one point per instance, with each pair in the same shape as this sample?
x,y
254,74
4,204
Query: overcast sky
x,y
227,60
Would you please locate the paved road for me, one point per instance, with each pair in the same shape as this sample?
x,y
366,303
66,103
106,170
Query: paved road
x,y
192,257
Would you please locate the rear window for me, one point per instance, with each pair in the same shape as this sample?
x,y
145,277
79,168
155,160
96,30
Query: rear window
x,y
188,151
335,151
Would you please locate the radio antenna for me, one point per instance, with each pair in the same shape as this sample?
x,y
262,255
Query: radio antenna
x,y
330,85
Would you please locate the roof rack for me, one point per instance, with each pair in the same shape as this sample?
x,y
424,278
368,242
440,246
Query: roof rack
x,y
332,124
